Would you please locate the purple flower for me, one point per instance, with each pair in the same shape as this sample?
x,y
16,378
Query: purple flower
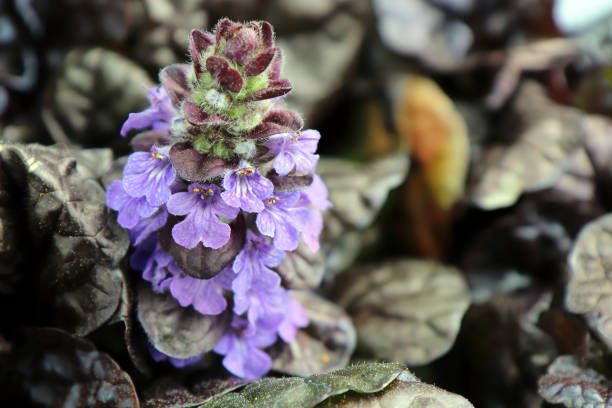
x,y
157,266
204,294
147,226
131,210
314,197
157,116
317,193
241,345
295,318
177,362
203,206
246,188
262,303
149,174
294,150
282,219
254,261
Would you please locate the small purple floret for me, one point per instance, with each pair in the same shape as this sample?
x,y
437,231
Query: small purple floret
x,y
148,226
241,345
295,318
157,266
203,206
262,303
253,263
294,150
150,175
205,295
246,188
157,116
282,219
131,210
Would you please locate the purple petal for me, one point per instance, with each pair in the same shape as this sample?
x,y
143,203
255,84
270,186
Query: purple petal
x,y
266,223
295,318
116,197
249,364
128,216
148,226
181,203
138,162
283,163
203,294
186,233
214,233
286,237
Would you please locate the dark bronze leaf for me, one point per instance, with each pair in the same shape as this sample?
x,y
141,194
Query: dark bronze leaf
x,y
406,310
290,182
50,368
76,236
174,80
170,393
179,332
77,108
546,143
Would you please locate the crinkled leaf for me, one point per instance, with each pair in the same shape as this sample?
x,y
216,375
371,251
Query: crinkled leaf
x,y
50,368
388,384
334,33
589,289
197,116
275,88
546,142
596,131
188,162
179,332
573,386
174,80
326,344
227,76
290,182
76,236
77,101
405,310
259,63
199,43
358,191
307,392
540,55
406,394
171,393
143,141
202,262
302,268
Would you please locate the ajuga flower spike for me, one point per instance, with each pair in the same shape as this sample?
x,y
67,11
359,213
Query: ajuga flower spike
x,y
222,184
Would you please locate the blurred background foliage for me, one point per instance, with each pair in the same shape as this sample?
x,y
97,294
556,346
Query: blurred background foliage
x,y
467,148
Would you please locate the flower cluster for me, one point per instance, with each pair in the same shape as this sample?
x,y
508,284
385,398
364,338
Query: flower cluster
x,y
223,173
